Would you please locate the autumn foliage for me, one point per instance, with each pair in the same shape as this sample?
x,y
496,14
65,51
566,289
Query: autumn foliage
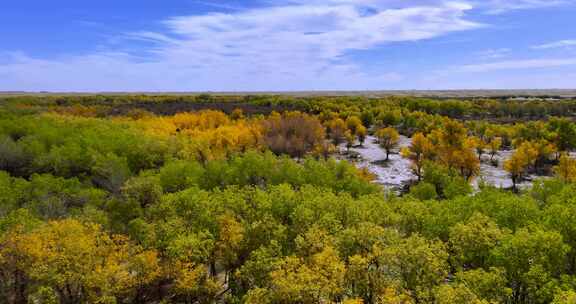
x,y
249,199
293,133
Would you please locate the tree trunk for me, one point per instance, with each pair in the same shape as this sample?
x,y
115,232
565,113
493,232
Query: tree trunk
x,y
19,288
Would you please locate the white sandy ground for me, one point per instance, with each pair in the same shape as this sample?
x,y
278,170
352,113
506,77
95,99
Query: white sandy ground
x,y
397,172
393,174
497,176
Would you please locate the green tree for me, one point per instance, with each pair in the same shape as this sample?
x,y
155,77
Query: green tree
x,y
526,251
489,284
473,241
419,264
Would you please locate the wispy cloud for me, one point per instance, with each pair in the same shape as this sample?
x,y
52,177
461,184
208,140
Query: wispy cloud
x,y
488,5
297,46
556,44
500,6
279,45
515,65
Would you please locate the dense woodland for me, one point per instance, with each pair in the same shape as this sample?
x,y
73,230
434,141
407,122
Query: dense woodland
x,y
250,199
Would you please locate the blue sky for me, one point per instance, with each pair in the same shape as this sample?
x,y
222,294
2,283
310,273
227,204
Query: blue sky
x,y
278,45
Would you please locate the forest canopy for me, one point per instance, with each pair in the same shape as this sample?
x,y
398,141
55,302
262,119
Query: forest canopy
x,y
261,199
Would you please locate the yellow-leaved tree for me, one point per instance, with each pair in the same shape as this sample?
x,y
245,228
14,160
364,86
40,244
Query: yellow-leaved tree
x,y
566,169
418,152
517,165
455,151
388,139
494,146
79,263
320,280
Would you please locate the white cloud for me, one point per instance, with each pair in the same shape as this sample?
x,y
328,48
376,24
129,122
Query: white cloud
x,y
516,65
556,44
488,6
298,46
500,6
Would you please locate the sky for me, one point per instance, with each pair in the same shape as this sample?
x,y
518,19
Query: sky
x,y
286,45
